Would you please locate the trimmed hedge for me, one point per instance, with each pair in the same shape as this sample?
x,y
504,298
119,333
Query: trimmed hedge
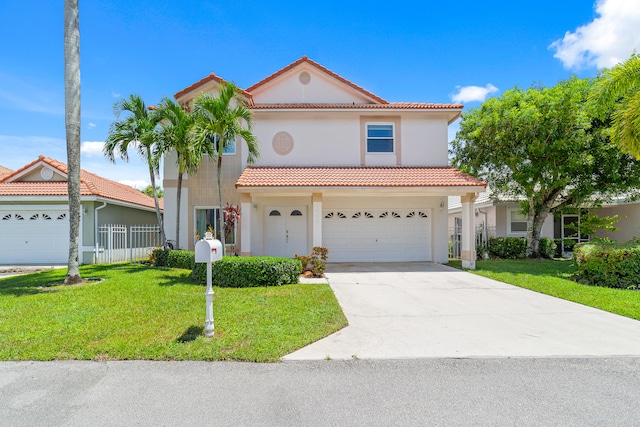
x,y
245,272
608,264
176,258
507,247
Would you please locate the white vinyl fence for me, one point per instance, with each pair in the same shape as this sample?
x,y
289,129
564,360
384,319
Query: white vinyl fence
x,y
483,234
121,243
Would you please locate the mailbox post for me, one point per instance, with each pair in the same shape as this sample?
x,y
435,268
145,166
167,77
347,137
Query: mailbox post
x,y
208,250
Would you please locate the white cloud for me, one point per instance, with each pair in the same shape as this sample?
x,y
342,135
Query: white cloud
x,y
607,40
138,184
115,94
91,149
92,125
473,93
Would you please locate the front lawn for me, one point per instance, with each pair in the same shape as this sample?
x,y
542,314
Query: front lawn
x,y
553,278
140,312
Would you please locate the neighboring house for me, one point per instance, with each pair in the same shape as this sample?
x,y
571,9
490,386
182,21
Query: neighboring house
x,y
4,171
339,167
503,218
34,225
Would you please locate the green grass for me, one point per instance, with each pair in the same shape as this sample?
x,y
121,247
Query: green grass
x,y
139,312
554,278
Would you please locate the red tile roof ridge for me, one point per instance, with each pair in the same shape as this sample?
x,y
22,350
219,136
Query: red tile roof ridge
x,y
388,106
211,76
320,67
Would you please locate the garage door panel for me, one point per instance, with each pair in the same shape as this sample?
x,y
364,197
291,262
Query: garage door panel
x,y
370,235
34,236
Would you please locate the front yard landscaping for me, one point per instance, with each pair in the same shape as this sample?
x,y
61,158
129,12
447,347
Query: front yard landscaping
x,y
553,277
140,312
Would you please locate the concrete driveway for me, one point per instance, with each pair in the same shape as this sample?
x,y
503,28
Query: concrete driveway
x,y
416,310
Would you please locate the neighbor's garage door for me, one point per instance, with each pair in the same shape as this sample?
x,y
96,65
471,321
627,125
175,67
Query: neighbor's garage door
x,y
377,235
34,236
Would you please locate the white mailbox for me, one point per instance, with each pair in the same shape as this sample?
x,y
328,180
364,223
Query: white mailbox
x,y
208,250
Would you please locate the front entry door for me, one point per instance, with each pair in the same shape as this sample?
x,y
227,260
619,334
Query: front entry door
x,y
286,231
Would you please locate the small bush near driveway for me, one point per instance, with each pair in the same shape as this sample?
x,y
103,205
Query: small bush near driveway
x,y
607,263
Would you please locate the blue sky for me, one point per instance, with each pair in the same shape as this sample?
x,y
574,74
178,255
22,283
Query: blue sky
x,y
402,51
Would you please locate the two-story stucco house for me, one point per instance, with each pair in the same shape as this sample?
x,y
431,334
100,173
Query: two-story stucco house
x,y
339,167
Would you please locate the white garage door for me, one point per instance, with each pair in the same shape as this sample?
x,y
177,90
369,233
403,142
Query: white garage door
x,y
377,235
34,236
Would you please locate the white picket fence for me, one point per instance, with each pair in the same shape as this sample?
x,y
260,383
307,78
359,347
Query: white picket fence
x,y
483,234
121,243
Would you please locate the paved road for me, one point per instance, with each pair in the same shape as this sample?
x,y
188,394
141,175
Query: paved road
x,y
434,392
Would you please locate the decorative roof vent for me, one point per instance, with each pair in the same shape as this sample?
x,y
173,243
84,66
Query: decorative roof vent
x,y
46,174
305,78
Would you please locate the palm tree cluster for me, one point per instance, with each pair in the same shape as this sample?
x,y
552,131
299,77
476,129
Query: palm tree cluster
x,y
207,130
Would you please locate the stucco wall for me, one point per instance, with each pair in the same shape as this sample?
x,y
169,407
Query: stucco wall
x,y
629,223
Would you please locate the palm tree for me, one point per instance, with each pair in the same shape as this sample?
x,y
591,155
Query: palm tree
x,y
176,134
619,88
218,123
72,124
138,130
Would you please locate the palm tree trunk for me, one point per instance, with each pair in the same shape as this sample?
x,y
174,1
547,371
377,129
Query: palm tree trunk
x,y
72,125
152,176
179,197
221,213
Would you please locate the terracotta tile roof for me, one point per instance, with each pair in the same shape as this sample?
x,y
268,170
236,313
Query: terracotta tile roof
x,y
304,59
399,176
388,106
205,80
4,171
90,185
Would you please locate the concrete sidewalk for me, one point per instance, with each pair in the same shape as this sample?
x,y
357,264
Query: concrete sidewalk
x,y
417,310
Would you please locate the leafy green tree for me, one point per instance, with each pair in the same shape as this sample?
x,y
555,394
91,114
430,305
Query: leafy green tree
x,y
619,89
544,145
72,125
218,123
149,191
177,134
138,130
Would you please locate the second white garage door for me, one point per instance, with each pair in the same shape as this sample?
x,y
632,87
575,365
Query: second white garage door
x,y
377,235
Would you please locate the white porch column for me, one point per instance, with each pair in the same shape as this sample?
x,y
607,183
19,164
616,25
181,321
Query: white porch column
x,y
317,219
468,231
245,224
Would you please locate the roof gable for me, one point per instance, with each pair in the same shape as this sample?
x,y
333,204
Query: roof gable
x,y
306,81
24,182
210,83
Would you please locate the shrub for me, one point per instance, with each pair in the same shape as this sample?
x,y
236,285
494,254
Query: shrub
x,y
609,264
547,248
179,258
245,272
316,263
507,247
159,257
566,243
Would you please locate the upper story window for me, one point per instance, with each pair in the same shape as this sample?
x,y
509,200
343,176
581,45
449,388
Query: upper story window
x,y
230,148
380,138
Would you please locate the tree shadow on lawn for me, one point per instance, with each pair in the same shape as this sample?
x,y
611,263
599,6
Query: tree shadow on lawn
x,y
563,269
182,279
35,283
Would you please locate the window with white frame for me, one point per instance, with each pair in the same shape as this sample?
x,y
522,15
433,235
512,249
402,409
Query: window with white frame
x,y
516,222
207,220
380,138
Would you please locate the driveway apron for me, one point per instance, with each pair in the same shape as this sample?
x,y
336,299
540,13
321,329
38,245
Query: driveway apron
x,y
416,310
